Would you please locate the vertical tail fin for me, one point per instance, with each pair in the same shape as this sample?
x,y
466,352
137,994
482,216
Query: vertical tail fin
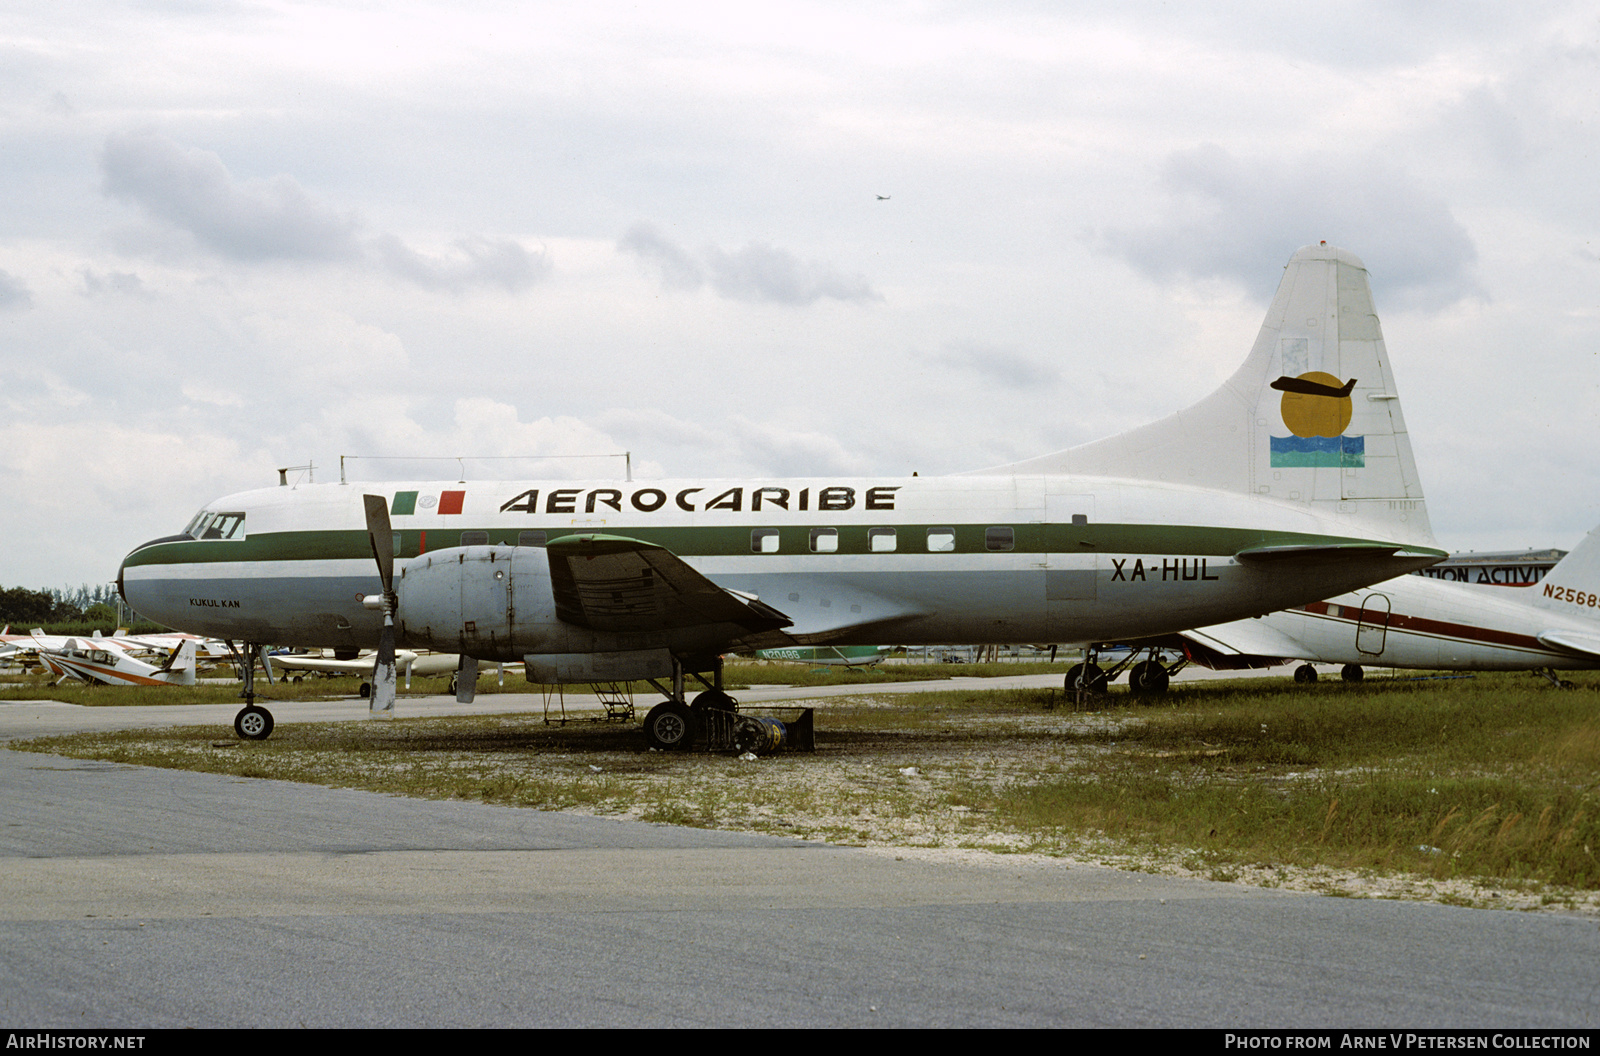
x,y
1312,417
1573,586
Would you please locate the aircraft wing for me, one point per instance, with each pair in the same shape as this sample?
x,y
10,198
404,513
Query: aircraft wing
x,y
361,665
1587,645
1246,638
612,583
328,665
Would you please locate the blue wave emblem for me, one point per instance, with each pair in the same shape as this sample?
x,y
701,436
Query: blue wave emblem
x,y
1319,452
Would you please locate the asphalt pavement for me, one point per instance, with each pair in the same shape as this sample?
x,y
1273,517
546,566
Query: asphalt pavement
x,y
142,898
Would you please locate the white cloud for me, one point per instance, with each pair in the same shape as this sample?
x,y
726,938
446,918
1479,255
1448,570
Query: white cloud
x,y
1232,217
477,261
192,190
758,272
14,293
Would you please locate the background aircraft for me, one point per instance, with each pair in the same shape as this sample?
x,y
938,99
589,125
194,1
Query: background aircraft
x,y
1417,622
1291,482
91,660
833,655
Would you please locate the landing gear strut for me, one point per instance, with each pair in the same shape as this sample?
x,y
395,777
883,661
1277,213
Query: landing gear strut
x,y
253,723
674,723
1147,678
1550,676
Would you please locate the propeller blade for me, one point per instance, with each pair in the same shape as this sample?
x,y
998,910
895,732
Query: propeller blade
x,y
384,677
466,679
382,537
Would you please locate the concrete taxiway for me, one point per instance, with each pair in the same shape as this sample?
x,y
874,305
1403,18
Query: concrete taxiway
x,y
136,897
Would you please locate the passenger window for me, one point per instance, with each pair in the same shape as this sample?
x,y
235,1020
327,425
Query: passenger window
x,y
941,540
531,538
824,540
880,540
474,538
999,539
763,540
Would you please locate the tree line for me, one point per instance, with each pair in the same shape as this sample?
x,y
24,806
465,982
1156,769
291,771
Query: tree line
x,y
22,607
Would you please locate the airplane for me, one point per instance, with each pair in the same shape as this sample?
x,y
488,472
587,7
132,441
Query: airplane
x,y
834,655
1254,499
87,660
205,648
406,661
1432,624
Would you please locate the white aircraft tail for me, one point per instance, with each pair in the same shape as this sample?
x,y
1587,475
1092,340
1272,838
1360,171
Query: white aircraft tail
x,y
1311,418
1573,586
180,666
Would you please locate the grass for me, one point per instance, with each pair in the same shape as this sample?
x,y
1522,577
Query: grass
x,y
1494,779
319,687
736,675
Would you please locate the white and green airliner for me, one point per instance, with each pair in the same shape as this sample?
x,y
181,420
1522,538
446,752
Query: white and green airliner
x,y
1291,483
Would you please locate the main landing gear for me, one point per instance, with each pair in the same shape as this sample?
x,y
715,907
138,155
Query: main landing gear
x,y
253,723
1146,678
713,721
672,724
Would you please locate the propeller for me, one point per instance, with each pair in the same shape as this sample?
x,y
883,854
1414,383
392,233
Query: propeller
x,y
384,677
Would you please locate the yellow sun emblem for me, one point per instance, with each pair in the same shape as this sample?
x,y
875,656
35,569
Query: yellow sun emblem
x,y
1308,412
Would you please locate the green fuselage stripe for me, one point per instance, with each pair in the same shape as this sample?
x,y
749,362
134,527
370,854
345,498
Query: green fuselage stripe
x,y
735,541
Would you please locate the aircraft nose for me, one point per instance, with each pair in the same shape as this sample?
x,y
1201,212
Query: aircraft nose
x,y
122,569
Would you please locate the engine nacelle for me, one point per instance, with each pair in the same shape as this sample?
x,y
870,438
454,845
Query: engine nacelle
x,y
496,603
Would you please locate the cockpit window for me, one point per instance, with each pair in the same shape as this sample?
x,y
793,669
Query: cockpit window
x,y
211,525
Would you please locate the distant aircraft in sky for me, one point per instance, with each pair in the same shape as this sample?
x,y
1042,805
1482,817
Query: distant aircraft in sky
x,y
1257,498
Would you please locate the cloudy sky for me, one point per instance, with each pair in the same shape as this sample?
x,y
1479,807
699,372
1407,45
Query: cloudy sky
x,y
244,235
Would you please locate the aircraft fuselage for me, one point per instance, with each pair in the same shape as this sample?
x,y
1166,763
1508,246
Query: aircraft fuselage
x,y
979,559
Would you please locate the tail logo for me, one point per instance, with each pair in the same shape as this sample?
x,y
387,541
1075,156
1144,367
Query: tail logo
x,y
1316,408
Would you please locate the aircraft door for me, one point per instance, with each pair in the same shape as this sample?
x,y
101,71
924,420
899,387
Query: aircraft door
x,y
1372,626
1072,570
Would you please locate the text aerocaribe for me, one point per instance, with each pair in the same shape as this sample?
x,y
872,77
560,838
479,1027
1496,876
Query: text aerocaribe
x,y
649,500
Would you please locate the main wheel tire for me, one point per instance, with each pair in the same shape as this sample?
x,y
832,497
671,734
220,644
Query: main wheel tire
x,y
1086,676
1148,679
669,726
253,723
1305,673
714,700
1352,673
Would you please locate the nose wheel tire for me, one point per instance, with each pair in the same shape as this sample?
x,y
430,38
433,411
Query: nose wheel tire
x,y
253,723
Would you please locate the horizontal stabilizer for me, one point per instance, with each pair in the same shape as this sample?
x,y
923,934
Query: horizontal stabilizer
x,y
613,583
1572,642
1246,638
1322,554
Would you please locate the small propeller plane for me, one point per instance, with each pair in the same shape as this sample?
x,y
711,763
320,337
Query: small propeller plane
x,y
829,655
1292,482
1432,624
94,661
